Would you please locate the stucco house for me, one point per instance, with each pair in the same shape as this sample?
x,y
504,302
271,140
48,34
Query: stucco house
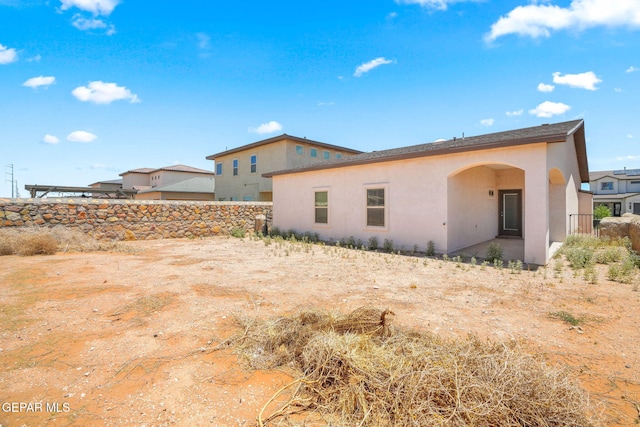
x,y
176,182
239,171
523,184
618,190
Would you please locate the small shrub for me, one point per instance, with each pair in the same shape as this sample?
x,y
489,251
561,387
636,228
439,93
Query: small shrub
x,y
623,272
494,252
601,211
373,243
610,254
431,248
387,246
238,232
566,317
37,244
579,257
6,248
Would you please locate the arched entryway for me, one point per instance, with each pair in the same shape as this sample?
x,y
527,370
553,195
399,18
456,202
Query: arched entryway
x,y
484,202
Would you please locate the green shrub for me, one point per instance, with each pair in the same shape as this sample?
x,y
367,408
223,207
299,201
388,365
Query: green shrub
x,y
238,232
602,211
431,248
387,246
610,254
566,317
579,257
623,272
494,252
373,243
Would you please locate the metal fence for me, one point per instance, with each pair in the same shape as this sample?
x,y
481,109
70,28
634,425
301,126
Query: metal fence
x,y
584,224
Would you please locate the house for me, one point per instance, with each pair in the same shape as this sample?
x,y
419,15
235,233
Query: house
x,y
177,182
114,184
618,190
522,184
239,171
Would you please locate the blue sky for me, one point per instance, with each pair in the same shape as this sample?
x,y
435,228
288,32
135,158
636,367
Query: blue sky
x,y
92,88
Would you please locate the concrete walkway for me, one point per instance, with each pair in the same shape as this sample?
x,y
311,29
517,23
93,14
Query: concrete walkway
x,y
513,249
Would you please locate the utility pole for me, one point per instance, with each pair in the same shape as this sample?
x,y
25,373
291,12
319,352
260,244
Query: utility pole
x,y
9,172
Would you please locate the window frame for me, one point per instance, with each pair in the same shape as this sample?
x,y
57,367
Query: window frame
x,y
316,191
313,152
604,184
253,162
219,169
326,155
235,164
300,150
384,207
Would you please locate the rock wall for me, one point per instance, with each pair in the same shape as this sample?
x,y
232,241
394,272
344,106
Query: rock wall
x,y
134,219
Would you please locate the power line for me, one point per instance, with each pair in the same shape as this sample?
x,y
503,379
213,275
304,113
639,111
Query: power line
x,y
14,184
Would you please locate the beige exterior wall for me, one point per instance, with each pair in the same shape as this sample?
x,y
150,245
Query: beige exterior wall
x,y
160,178
129,180
271,157
444,199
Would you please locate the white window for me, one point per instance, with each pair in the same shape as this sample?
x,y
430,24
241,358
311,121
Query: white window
x,y
254,163
376,207
605,186
322,207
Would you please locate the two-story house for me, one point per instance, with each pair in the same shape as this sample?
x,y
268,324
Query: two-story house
x,y
238,172
177,182
619,190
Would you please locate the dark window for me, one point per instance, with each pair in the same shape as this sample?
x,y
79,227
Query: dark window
x,y
254,163
235,167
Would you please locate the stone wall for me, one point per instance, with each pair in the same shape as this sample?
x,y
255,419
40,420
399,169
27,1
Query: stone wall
x,y
134,219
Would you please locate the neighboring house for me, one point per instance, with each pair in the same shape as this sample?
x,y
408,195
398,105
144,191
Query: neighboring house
x,y
239,171
522,183
114,184
618,190
178,182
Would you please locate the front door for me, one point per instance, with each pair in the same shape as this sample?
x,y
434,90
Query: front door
x,y
617,209
510,213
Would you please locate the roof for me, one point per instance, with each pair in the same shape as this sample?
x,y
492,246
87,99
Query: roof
x,y
113,181
283,137
619,196
192,185
172,168
549,133
617,174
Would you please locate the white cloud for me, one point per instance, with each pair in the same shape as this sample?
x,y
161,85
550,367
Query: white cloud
x,y
539,19
542,87
204,40
36,58
269,127
50,139
617,89
368,66
514,113
432,4
630,136
7,55
96,7
100,92
550,109
35,82
632,69
84,24
487,122
586,80
628,158
81,136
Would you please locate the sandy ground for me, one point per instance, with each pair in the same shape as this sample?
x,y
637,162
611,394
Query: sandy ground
x,y
89,339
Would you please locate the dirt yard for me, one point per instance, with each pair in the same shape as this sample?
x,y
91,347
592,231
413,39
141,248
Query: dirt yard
x,y
89,339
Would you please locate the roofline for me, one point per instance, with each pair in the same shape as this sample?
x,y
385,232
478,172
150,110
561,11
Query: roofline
x,y
278,138
438,152
168,169
579,141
